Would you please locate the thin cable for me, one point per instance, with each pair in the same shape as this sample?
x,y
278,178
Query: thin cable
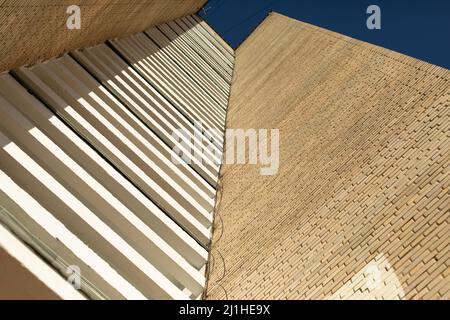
x,y
215,7
210,7
250,17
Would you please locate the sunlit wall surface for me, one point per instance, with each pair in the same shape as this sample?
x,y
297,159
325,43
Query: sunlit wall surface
x,y
93,204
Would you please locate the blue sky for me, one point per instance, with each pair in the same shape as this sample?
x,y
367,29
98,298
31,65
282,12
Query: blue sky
x,y
417,28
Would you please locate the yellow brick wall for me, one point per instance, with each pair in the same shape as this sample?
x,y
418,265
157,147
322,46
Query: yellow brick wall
x,y
360,207
35,30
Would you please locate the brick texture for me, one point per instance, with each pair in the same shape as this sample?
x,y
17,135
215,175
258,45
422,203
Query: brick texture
x,y
360,206
34,31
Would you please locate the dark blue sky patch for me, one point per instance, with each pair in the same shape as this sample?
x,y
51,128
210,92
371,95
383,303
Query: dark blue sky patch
x,y
420,29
